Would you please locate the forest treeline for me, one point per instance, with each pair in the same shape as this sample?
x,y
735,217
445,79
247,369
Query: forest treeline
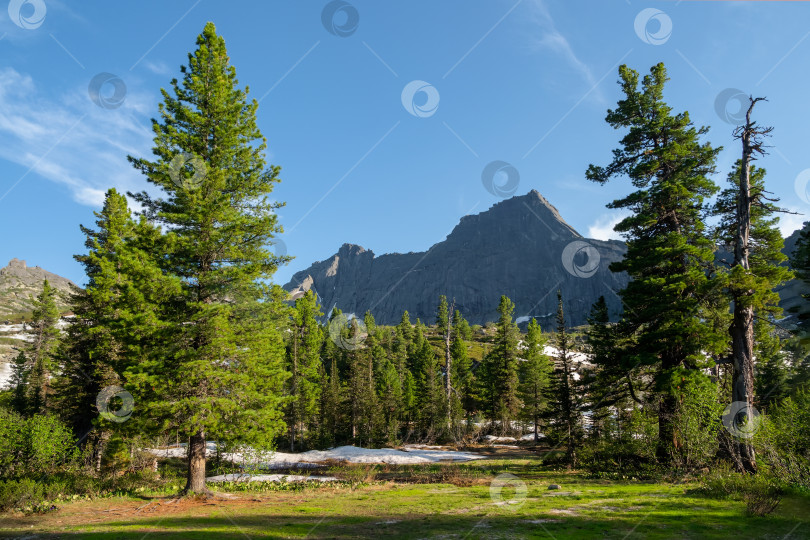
x,y
180,333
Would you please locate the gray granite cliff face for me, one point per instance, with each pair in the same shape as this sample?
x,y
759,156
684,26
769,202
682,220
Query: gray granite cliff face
x,y
520,247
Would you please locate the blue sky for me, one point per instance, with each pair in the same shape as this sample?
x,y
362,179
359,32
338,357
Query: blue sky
x,y
524,82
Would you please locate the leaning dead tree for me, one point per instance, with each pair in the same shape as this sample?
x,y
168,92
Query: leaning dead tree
x,y
742,326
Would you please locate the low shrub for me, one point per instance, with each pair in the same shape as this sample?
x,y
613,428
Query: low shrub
x,y
41,444
761,492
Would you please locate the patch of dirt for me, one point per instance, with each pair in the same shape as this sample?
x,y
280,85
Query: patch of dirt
x,y
558,493
563,512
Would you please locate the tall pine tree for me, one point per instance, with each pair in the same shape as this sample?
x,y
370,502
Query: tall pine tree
x,y
668,249
40,350
222,371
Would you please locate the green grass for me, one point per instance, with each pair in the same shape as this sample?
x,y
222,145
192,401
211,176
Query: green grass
x,y
462,506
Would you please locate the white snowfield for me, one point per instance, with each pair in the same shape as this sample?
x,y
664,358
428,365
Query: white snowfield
x,y
312,458
269,478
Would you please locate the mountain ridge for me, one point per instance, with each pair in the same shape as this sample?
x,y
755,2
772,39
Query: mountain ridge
x,y
479,260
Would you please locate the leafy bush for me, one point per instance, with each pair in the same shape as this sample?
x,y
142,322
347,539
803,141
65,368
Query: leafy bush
x,y
697,421
25,493
783,441
761,492
39,444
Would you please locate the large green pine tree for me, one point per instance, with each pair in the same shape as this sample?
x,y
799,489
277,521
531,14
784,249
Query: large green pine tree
x,y
18,383
464,383
566,400
535,377
668,248
118,316
500,374
41,349
222,370
304,365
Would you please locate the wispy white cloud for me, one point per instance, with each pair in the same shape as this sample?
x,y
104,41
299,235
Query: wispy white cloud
x,y
788,223
158,68
602,228
69,140
552,39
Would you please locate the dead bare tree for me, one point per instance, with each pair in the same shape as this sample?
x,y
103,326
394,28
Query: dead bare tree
x,y
742,326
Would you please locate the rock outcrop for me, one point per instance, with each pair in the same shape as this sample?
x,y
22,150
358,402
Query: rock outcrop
x,y
19,283
520,247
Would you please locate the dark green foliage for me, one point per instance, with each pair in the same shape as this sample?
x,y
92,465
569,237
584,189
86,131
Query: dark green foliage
x,y
566,401
499,372
120,316
464,383
304,365
41,350
756,287
535,373
39,444
668,248
18,383
800,262
221,372
772,381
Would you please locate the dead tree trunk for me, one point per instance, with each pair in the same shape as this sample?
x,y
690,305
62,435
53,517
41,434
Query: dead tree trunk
x,y
448,360
742,326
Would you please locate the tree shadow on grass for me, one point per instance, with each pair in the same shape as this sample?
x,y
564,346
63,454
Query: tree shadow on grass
x,y
663,521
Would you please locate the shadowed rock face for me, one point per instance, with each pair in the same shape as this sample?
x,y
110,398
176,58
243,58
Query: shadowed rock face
x,y
520,247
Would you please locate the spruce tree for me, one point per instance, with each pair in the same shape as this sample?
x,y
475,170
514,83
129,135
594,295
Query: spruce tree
x,y
40,351
565,408
389,391
500,387
463,376
18,384
614,385
772,372
222,371
668,249
118,318
304,362
534,374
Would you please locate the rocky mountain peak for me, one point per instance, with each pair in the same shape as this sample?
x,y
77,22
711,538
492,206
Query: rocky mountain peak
x,y
518,247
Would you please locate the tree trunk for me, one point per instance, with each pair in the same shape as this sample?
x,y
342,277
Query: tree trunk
x,y
742,327
101,444
196,464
